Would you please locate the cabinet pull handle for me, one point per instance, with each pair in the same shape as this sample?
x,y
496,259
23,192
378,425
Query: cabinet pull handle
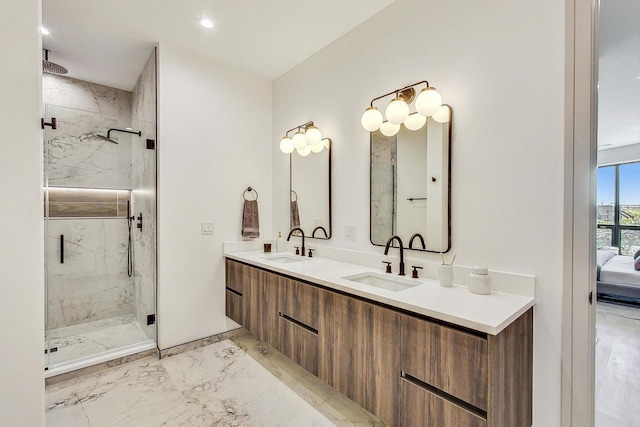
x,y
444,395
62,249
298,323
233,291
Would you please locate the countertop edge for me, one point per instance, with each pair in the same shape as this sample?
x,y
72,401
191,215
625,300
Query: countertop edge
x,y
491,329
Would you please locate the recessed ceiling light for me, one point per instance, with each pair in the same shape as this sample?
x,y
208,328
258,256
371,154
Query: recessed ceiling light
x,y
44,31
206,22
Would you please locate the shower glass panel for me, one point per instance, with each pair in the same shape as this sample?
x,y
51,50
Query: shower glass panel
x,y
100,268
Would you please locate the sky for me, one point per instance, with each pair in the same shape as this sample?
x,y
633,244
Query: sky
x,y
629,184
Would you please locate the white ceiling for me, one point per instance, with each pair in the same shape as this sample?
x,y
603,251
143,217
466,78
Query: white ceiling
x,y
619,73
109,41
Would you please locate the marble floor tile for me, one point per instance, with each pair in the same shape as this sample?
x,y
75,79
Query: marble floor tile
x,y
93,338
234,382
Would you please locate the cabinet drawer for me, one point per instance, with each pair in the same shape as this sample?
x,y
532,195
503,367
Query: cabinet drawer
x,y
233,308
236,275
453,361
299,301
419,407
299,343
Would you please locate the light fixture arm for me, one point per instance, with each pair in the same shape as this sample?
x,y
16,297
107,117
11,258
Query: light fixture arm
x,y
397,91
304,125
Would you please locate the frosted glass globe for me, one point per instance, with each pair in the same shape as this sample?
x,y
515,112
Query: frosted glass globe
x,y
443,115
326,142
415,121
313,135
299,141
397,111
371,119
286,145
389,129
428,101
304,151
317,148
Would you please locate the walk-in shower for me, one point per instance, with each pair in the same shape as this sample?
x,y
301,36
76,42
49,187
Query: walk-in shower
x,y
99,182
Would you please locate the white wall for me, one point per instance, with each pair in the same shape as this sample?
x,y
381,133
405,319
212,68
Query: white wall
x,y
214,127
500,65
21,227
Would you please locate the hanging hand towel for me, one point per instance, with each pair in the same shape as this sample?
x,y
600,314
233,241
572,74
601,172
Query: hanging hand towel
x,y
295,214
250,221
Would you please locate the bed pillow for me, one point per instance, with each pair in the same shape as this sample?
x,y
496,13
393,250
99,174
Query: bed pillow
x,y
603,256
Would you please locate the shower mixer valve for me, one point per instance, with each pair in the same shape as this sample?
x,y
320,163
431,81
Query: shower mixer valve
x,y
139,223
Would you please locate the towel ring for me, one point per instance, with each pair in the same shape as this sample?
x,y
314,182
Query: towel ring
x,y
296,194
249,189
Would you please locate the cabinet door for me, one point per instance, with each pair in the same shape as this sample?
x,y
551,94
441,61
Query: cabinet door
x,y
451,360
419,408
235,275
234,308
299,306
362,346
261,306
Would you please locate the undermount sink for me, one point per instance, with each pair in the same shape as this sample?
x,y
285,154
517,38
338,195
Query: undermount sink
x,y
284,258
383,281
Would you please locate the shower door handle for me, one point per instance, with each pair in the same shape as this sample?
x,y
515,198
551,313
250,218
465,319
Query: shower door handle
x,y
62,249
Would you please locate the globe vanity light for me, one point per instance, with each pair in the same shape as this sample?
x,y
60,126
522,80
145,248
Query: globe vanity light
x,y
312,135
371,119
428,101
299,141
389,129
286,145
415,121
397,111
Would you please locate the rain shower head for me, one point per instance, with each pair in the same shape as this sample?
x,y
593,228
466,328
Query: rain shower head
x,y
51,67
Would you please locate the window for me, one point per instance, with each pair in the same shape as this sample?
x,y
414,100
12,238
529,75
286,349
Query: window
x,y
618,207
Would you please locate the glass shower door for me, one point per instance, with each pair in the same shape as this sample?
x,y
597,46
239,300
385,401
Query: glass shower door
x,y
93,308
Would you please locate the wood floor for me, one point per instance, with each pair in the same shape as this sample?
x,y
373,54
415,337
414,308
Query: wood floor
x,y
617,366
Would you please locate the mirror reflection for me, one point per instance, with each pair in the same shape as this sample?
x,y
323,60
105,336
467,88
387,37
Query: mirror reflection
x,y
310,193
409,187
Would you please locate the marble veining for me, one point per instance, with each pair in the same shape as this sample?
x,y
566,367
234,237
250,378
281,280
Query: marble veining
x,y
82,95
238,382
92,283
91,338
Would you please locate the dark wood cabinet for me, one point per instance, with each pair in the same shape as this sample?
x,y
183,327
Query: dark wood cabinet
x,y
446,358
420,408
299,322
407,369
234,290
261,306
361,346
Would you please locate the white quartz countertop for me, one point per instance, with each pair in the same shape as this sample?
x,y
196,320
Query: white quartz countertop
x,y
484,313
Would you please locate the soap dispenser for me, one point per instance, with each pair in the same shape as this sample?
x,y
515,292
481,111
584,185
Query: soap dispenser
x,y
279,242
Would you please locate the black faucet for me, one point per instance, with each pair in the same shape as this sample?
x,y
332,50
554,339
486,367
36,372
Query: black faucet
x,y
326,236
302,234
419,236
386,252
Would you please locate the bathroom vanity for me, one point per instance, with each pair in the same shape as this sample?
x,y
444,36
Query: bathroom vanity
x,y
422,355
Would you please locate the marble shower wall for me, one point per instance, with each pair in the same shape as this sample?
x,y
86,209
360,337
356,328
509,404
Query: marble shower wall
x,y
77,155
92,283
143,196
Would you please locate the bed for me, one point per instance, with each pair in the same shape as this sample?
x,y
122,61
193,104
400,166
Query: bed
x,y
618,280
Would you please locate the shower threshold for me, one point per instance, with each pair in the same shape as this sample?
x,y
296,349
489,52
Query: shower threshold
x,y
96,342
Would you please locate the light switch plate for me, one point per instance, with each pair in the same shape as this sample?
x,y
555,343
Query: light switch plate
x,y
206,228
350,233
